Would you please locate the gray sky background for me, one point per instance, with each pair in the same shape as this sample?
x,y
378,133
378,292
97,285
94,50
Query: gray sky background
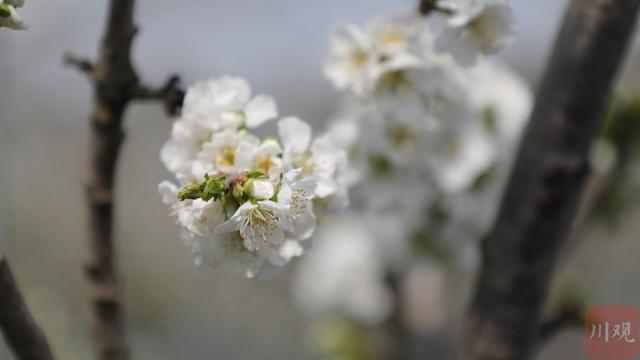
x,y
279,45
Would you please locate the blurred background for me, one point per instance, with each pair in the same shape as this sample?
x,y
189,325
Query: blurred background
x,y
174,309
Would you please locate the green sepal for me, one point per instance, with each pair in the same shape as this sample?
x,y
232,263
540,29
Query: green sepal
x,y
213,187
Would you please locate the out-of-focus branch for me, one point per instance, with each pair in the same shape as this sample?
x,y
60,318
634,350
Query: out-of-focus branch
x,y
564,318
25,338
115,84
82,64
544,189
395,326
427,6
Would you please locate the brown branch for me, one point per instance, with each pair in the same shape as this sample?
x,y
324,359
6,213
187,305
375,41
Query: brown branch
x,y
170,94
544,189
395,326
427,6
115,84
565,317
25,338
82,64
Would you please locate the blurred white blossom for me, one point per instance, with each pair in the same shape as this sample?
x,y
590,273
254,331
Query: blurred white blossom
x,y
476,27
430,135
9,16
343,273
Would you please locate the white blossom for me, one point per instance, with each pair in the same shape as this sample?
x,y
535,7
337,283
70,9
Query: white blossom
x,y
359,59
476,27
9,16
226,103
321,159
198,216
258,224
264,156
343,274
294,199
219,154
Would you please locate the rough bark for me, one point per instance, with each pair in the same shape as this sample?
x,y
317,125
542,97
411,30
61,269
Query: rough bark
x,y
545,187
116,85
24,337
114,78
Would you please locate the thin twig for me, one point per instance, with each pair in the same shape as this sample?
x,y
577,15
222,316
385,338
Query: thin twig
x,y
170,94
115,84
428,6
25,338
82,64
545,186
564,318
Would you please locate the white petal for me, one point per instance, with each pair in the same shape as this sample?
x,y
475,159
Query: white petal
x,y
233,223
305,225
245,154
228,226
325,186
291,175
261,109
169,192
295,134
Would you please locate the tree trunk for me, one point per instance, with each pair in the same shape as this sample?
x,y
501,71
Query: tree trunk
x,y
544,189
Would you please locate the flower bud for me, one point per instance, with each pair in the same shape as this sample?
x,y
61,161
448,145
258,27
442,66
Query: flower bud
x,y
262,189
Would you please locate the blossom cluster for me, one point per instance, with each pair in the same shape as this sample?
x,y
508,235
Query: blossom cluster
x,y
433,118
244,202
366,59
431,124
9,16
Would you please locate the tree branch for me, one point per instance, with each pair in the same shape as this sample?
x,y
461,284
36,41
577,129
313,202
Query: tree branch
x,y
115,84
427,6
544,189
563,318
25,338
82,64
170,94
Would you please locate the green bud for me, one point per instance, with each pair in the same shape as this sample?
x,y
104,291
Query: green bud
x,y
239,190
5,11
192,191
213,187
